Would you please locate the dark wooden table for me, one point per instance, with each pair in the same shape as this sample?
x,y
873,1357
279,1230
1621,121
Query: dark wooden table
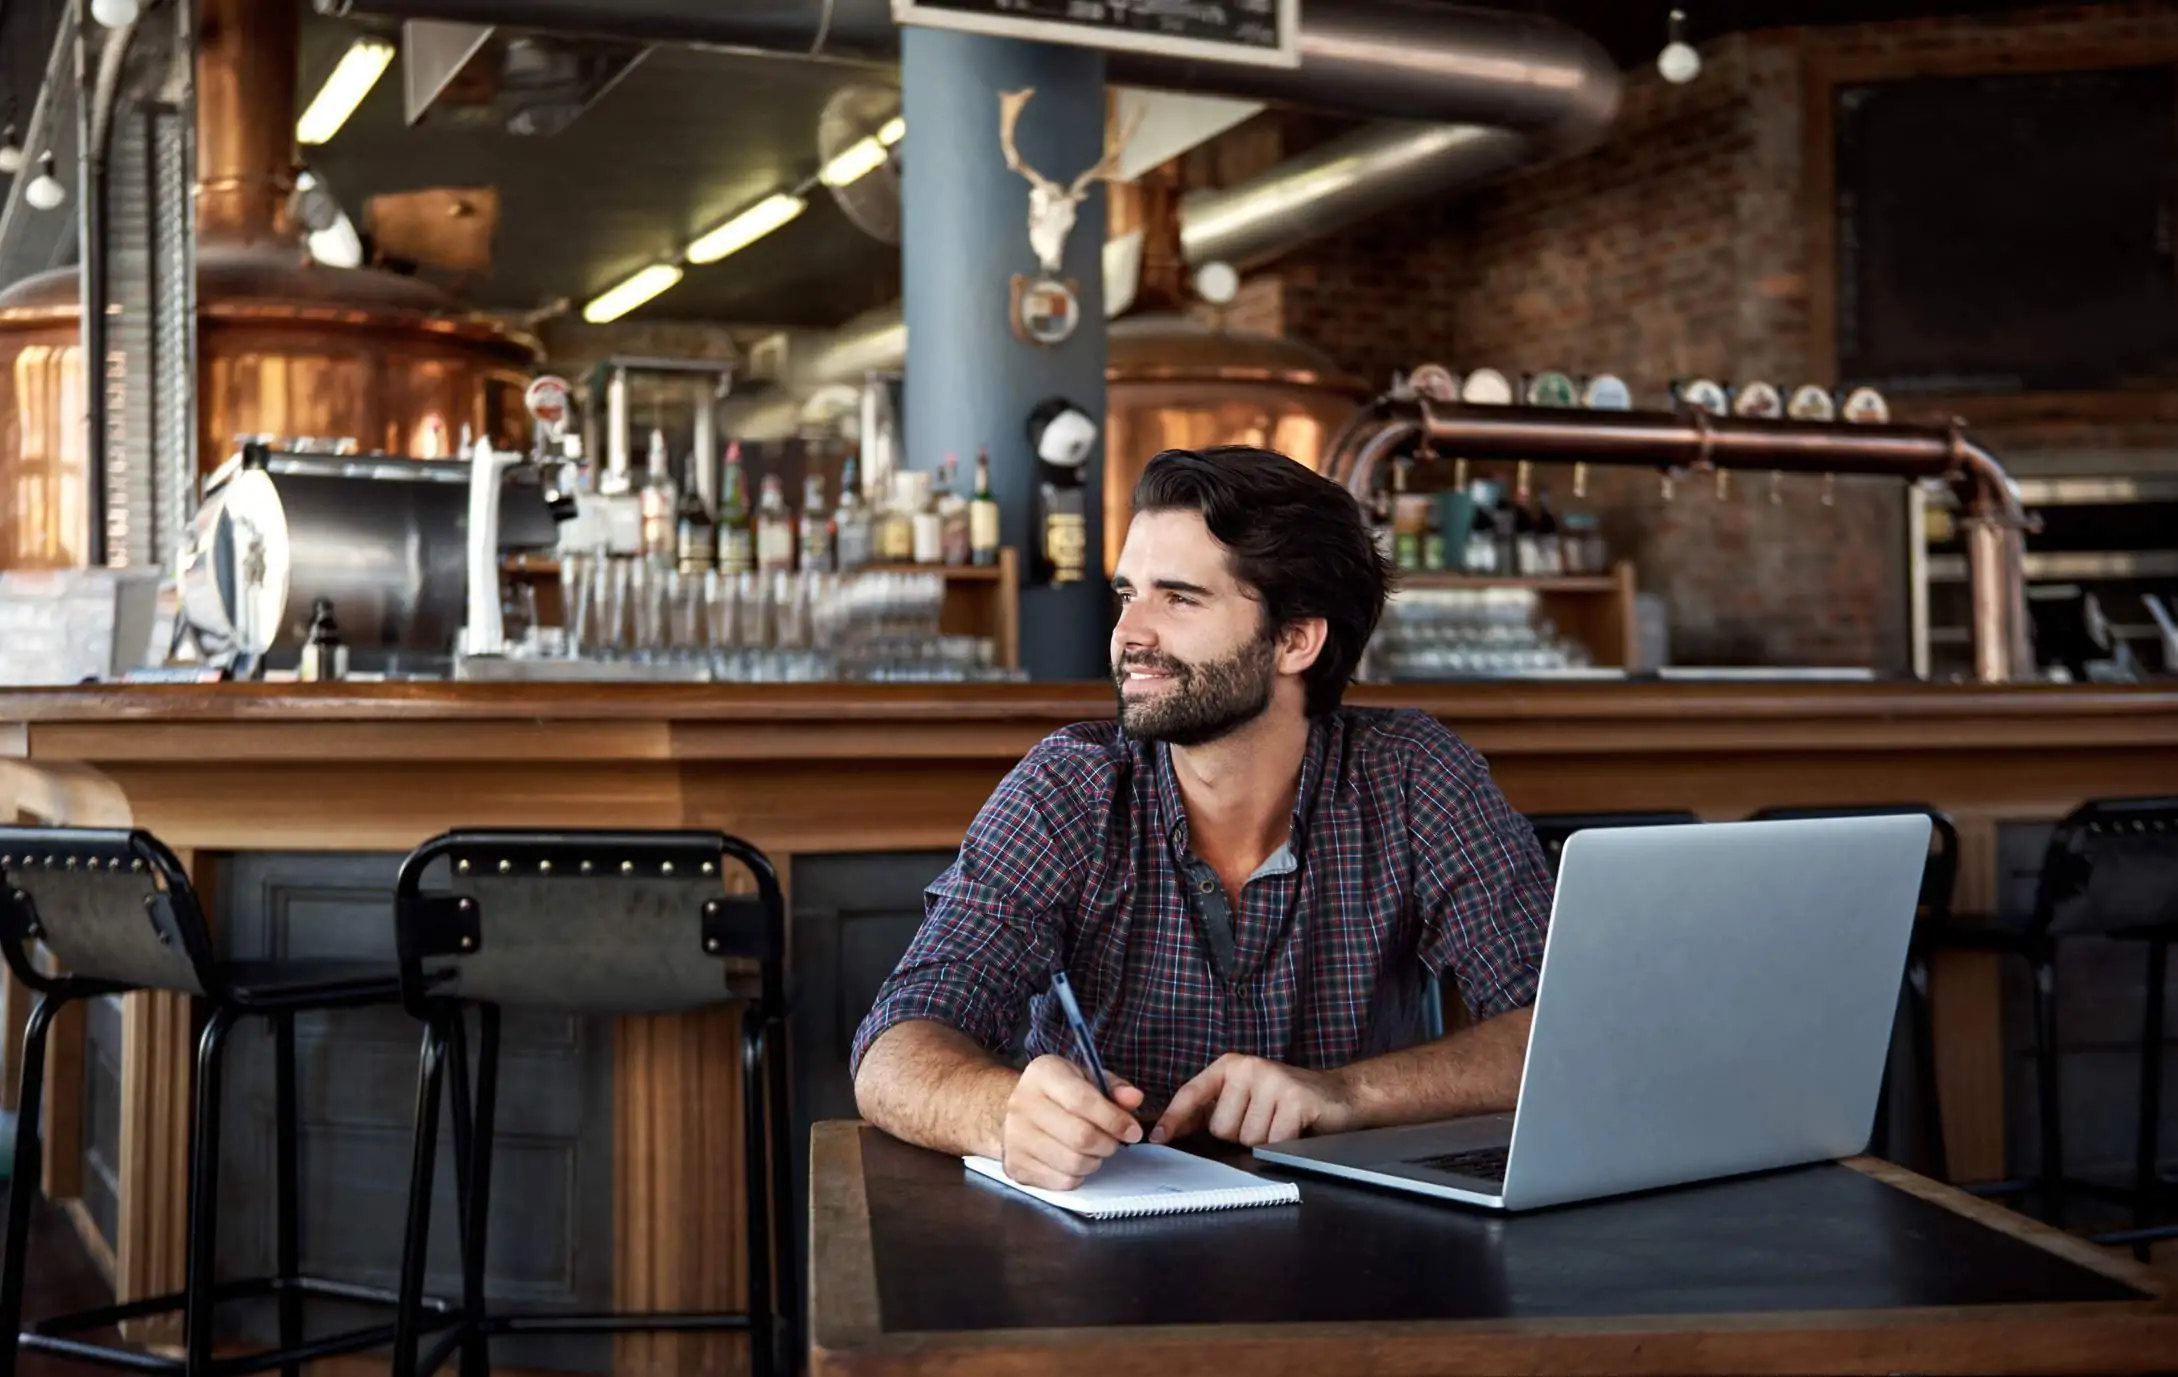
x,y
919,1268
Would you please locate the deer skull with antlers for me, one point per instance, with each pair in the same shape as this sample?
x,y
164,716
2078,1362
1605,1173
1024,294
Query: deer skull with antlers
x,y
1052,206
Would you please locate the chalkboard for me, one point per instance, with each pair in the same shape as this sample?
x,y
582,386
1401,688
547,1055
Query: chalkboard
x,y
1261,32
2008,233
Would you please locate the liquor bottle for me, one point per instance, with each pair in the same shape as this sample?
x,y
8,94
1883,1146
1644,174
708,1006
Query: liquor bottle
x,y
816,528
1433,541
983,514
1505,528
1527,557
1406,540
697,534
924,527
659,502
774,528
895,527
1549,549
736,540
324,654
1481,532
952,515
851,544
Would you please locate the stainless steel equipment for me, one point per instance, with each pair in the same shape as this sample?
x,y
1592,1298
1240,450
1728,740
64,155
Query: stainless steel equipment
x,y
382,537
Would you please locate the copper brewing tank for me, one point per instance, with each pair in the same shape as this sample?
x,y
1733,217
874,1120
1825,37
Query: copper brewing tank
x,y
1175,382
285,346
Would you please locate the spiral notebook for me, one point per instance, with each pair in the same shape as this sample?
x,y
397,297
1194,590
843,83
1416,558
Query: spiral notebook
x,y
1150,1178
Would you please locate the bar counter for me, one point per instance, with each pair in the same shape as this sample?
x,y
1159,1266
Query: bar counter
x,y
292,803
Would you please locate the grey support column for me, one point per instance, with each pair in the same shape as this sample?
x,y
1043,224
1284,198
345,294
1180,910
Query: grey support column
x,y
970,380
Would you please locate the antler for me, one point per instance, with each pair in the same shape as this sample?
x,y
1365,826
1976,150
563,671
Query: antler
x,y
1108,165
1009,114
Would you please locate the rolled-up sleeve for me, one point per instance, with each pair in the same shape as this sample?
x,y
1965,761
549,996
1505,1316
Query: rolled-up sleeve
x,y
992,922
1481,885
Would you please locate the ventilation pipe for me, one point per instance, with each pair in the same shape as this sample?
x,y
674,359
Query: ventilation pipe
x,y
1459,95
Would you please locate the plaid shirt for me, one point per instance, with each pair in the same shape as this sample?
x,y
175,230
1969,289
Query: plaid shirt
x,y
1403,854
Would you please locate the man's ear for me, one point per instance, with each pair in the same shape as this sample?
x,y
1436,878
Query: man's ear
x,y
1300,643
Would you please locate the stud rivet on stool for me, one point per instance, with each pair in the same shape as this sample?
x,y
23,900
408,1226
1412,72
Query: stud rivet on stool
x,y
506,867
710,944
137,866
468,944
544,867
709,869
587,867
665,867
461,867
627,867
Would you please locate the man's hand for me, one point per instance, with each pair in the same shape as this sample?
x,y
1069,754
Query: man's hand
x,y
1252,1101
1058,1129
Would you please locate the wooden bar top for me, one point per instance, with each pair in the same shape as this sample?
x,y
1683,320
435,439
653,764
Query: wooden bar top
x,y
920,1268
683,721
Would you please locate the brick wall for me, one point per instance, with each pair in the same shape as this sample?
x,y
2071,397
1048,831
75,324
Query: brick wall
x,y
1676,247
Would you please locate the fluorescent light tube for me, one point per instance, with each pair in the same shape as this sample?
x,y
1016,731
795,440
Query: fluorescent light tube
x,y
854,162
747,227
615,302
360,67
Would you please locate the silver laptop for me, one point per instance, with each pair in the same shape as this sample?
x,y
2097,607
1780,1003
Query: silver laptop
x,y
1715,999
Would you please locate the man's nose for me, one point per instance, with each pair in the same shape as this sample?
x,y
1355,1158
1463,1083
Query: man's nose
x,y
1133,631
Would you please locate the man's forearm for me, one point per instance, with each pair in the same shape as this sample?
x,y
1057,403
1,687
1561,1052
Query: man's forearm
x,y
936,1087
1473,1071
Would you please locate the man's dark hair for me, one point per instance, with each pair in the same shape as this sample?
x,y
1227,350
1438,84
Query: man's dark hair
x,y
1297,538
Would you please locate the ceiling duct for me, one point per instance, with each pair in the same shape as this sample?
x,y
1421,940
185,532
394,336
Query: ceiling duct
x,y
1380,59
1458,95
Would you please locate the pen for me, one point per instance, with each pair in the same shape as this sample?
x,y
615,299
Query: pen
x,y
1065,992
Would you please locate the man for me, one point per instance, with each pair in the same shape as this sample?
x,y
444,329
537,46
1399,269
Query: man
x,y
1241,877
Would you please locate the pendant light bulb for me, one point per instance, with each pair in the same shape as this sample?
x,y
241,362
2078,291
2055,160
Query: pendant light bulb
x,y
116,14
11,152
1678,62
45,191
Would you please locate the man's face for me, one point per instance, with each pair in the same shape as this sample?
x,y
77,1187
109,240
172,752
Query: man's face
x,y
1192,657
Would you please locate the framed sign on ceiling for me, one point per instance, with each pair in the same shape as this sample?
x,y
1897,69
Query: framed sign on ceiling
x,y
1260,32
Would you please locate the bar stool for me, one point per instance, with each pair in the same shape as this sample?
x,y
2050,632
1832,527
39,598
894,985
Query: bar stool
x,y
2111,871
1932,924
602,922
1554,830
116,913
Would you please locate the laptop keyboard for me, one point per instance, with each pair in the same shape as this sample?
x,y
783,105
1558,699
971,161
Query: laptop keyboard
x,y
1486,1164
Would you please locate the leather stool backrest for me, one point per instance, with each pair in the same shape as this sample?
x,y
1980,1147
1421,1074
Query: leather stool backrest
x,y
612,922
110,905
2111,867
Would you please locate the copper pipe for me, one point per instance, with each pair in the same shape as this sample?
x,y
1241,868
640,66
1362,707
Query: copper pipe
x,y
245,118
1996,560
1699,441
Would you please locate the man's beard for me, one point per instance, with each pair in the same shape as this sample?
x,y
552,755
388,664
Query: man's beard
x,y
1201,702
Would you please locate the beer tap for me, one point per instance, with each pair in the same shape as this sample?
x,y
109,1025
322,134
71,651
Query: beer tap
x,y
483,633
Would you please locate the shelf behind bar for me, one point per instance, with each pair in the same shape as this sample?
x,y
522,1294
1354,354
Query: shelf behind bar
x,y
954,573
1559,583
